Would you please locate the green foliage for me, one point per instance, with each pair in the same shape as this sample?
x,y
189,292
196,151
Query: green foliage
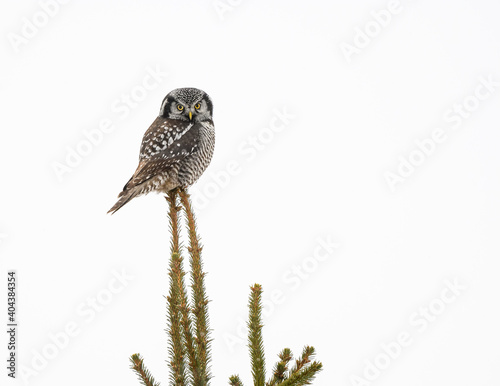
x,y
181,316
235,381
142,372
199,296
279,372
188,324
302,373
255,341
176,307
176,348
187,327
305,376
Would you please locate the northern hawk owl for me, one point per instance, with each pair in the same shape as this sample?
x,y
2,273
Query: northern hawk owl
x,y
177,147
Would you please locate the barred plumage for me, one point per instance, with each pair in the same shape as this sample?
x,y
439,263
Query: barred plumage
x,y
177,147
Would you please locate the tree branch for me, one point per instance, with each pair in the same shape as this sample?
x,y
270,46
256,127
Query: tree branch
x,y
142,372
199,296
255,341
176,347
280,369
305,376
235,380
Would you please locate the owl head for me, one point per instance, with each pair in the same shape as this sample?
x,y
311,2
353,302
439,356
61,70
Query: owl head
x,y
187,104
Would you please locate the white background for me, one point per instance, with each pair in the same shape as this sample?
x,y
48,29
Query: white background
x,y
356,118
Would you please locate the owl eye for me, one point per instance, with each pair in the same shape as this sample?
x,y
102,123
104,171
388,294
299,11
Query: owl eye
x,y
197,106
180,107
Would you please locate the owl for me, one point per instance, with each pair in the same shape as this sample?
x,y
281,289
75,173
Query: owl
x,y
177,147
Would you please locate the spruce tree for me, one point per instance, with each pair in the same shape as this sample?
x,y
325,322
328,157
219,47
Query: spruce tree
x,y
188,324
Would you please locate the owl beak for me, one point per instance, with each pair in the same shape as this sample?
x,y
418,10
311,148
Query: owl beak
x,y
190,116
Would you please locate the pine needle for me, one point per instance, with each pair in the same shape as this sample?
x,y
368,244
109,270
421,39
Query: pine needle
x,y
199,296
184,310
185,347
176,349
281,368
142,372
305,376
171,198
235,380
255,341
307,355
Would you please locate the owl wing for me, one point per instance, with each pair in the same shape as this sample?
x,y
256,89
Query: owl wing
x,y
165,144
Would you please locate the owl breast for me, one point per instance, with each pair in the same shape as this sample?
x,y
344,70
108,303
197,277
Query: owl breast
x,y
193,166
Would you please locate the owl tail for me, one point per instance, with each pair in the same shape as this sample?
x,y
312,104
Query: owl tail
x,y
125,197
